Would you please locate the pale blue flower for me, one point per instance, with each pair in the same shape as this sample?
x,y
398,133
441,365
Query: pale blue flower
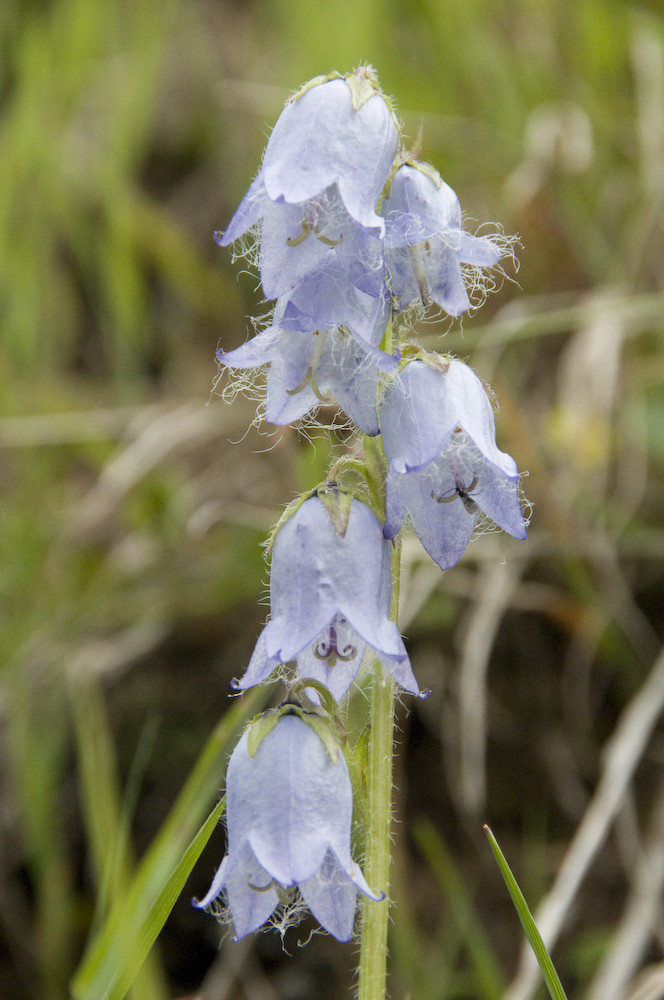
x,y
425,244
288,812
330,601
295,241
320,349
323,171
444,465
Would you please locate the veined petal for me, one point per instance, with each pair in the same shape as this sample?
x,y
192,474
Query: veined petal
x,y
402,672
290,392
316,572
258,670
247,213
309,566
417,417
331,895
285,257
495,491
478,250
245,884
420,204
425,244
302,580
303,801
444,279
444,498
218,883
364,582
444,529
474,414
327,298
320,139
332,898
396,504
250,900
257,351
351,370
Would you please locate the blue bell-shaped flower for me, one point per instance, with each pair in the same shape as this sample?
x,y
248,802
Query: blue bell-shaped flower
x,y
288,809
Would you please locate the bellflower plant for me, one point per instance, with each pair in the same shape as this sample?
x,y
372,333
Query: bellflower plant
x,y
444,465
330,593
288,807
319,349
324,167
426,244
350,230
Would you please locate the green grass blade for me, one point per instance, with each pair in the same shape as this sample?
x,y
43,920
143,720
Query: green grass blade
x,y
106,820
488,981
116,985
117,952
551,979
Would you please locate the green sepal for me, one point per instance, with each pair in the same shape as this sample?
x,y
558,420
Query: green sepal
x,y
259,729
265,723
336,499
376,472
413,352
337,503
325,733
362,87
357,758
314,82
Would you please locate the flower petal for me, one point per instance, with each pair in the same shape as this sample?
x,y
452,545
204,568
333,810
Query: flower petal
x,y
425,244
332,898
259,669
331,895
297,801
255,352
247,213
417,417
420,204
351,370
444,529
239,878
285,257
321,139
327,298
250,901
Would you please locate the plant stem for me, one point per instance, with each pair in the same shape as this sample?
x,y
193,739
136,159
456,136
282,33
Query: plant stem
x,y
373,942
373,949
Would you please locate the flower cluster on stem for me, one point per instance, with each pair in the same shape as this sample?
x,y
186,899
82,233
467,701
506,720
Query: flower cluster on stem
x,y
350,230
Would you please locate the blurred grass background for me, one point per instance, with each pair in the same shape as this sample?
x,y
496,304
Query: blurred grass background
x,y
132,513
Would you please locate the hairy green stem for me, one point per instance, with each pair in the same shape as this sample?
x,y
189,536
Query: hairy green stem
x,y
373,941
373,949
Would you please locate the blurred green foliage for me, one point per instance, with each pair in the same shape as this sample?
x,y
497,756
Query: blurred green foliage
x,y
130,525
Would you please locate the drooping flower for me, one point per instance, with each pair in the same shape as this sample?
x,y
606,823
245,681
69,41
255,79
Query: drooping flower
x,y
289,810
330,591
321,349
425,244
324,168
444,465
